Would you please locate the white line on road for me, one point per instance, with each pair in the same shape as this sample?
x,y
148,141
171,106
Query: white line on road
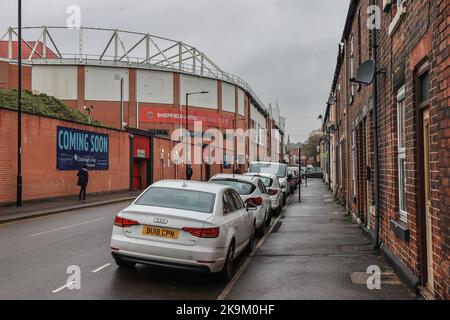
x,y
66,227
101,268
64,286
247,261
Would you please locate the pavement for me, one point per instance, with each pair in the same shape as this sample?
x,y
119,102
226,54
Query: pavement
x,y
316,253
40,208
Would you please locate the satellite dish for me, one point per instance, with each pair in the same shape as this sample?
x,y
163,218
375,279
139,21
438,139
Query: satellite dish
x,y
365,73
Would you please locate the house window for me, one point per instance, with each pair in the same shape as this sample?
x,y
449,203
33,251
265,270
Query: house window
x,y
354,161
401,154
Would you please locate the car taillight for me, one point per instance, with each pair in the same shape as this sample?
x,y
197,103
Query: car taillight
x,y
257,201
124,223
203,232
272,192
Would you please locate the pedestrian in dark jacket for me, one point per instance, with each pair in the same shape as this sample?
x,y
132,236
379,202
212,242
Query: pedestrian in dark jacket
x,y
189,172
83,179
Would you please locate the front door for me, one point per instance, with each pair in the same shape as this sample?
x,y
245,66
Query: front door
x,y
427,202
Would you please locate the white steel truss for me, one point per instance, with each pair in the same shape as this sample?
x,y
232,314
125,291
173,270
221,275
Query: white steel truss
x,y
134,49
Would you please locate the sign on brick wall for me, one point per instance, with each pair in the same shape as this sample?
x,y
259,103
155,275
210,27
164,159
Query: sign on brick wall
x,y
77,147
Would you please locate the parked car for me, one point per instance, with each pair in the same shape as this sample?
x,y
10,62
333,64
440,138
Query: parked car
x,y
278,169
273,187
186,225
315,172
297,175
292,181
252,190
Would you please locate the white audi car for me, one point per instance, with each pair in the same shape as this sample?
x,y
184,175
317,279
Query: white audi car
x,y
252,190
185,225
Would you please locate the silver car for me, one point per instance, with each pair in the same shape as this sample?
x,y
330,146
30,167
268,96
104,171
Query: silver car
x,y
278,169
252,190
273,187
186,225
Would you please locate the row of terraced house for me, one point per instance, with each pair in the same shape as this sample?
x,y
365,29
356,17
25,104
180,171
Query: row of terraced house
x,y
401,201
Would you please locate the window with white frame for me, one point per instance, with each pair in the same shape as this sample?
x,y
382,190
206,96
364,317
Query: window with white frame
x,y
354,161
401,154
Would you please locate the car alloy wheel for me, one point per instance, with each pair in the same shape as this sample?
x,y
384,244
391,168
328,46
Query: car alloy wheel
x,y
228,268
262,230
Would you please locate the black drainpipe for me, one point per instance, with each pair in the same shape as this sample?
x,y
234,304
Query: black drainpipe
x,y
150,163
131,162
375,128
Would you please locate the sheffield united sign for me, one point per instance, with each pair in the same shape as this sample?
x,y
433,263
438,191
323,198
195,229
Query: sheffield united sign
x,y
173,115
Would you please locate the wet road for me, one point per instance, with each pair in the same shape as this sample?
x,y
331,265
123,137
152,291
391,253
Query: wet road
x,y
35,255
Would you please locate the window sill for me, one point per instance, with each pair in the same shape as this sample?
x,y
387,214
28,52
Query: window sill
x,y
395,23
400,229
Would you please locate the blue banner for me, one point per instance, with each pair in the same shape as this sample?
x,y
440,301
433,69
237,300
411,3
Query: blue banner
x,y
77,147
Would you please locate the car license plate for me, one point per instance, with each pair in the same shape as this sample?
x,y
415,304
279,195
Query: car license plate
x,y
160,232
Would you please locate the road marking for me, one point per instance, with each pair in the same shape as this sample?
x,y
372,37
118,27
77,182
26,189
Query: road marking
x,y
247,261
101,268
66,227
64,286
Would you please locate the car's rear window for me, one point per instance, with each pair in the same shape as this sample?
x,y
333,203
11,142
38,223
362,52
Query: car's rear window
x,y
242,187
267,181
178,199
271,168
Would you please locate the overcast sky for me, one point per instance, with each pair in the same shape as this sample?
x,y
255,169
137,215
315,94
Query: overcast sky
x,y
285,49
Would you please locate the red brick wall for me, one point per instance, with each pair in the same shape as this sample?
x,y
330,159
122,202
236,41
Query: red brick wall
x,y
440,63
41,179
9,76
161,168
422,35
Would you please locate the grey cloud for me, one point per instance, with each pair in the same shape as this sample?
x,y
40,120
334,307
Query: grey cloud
x,y
286,49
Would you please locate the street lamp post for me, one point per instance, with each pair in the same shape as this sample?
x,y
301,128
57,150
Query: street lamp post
x,y
187,120
300,173
19,107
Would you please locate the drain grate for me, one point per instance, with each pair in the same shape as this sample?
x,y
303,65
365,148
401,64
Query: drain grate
x,y
357,248
364,248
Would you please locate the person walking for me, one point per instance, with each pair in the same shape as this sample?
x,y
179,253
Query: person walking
x,y
238,170
189,172
83,179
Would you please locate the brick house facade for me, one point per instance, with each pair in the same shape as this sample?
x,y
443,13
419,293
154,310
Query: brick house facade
x,y
414,136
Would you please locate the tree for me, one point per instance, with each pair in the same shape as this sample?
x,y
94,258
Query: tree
x,y
309,148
